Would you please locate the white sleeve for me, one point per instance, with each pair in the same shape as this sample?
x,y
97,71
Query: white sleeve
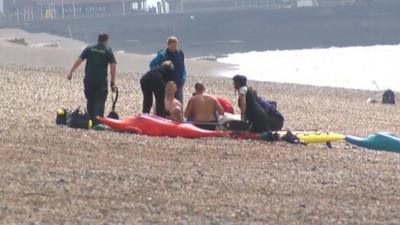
x,y
243,90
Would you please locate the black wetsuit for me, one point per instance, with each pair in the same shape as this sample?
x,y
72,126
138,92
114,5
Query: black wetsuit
x,y
260,120
153,82
97,57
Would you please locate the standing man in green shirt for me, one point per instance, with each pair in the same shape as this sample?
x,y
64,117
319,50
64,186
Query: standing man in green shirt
x,y
97,57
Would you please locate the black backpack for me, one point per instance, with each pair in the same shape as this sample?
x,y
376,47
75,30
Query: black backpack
x,y
389,97
263,116
270,107
74,119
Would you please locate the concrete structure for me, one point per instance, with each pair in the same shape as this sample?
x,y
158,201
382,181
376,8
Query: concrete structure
x,y
91,7
195,5
56,9
1,6
201,5
219,32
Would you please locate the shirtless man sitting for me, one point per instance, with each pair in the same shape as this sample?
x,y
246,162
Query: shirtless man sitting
x,y
173,107
203,109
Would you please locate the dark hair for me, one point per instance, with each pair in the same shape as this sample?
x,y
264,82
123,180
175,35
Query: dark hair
x,y
241,80
199,86
168,64
103,37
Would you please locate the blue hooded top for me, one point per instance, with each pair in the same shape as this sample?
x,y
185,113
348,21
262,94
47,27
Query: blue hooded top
x,y
177,58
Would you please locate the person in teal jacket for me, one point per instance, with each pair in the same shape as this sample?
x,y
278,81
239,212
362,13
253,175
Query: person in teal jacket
x,y
177,57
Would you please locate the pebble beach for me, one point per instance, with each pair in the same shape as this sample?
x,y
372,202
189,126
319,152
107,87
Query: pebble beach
x,y
53,175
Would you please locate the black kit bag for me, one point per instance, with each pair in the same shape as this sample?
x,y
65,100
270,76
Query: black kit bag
x,y
75,119
389,97
61,119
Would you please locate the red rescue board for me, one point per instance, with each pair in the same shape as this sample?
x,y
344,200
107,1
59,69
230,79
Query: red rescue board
x,y
157,126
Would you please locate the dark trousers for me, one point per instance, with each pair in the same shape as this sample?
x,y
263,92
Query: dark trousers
x,y
263,122
207,126
158,89
96,96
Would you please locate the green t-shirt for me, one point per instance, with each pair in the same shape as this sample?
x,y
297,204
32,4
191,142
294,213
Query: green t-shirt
x,y
97,59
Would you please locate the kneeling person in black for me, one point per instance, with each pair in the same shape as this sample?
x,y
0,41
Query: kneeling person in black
x,y
97,57
153,82
262,115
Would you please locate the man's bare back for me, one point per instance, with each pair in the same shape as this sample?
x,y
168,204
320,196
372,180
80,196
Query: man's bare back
x,y
203,108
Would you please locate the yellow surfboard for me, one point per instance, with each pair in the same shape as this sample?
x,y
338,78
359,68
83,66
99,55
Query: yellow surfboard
x,y
307,137
319,137
313,137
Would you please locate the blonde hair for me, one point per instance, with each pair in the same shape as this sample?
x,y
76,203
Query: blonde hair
x,y
172,39
171,83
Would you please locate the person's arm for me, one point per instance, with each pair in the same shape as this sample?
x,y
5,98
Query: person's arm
x,y
180,115
113,71
76,65
242,106
220,110
188,110
184,75
156,61
78,62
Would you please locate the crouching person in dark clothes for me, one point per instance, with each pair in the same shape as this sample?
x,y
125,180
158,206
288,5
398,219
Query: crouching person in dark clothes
x,y
262,115
153,82
97,57
177,57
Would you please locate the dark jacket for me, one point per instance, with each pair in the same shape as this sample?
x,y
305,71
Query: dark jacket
x,y
177,58
161,74
262,119
97,57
